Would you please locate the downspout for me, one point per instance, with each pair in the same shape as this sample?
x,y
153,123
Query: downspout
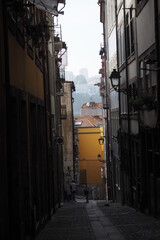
x,y
107,132
54,134
7,144
50,145
120,122
157,37
45,81
139,133
156,11
128,115
58,148
72,89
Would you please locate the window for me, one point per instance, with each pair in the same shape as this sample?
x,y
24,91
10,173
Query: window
x,y
147,78
15,20
129,29
115,123
121,37
121,52
63,112
28,25
78,123
134,102
124,105
130,32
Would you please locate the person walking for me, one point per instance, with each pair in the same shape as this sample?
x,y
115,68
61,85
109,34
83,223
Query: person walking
x,y
86,192
67,192
73,190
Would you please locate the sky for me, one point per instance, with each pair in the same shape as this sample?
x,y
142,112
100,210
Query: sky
x,y
82,32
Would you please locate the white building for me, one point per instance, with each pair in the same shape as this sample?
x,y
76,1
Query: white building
x,y
131,43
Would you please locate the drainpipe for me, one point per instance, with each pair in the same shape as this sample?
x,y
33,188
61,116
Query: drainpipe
x,y
73,132
50,146
107,132
6,231
45,81
157,36
139,134
128,115
119,99
120,122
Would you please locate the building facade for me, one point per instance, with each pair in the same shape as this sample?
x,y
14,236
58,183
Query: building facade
x,y
91,171
132,48
68,133
31,153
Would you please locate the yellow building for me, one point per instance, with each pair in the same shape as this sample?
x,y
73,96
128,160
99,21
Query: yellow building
x,y
91,170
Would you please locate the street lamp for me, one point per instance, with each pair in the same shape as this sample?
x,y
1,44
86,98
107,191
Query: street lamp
x,y
101,141
115,81
99,157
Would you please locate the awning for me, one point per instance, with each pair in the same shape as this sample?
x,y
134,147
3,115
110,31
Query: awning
x,y
47,5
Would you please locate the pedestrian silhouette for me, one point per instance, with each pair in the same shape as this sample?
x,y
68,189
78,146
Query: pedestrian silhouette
x,y
73,190
86,192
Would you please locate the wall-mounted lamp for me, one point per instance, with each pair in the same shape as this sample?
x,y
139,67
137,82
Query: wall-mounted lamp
x,y
101,141
115,81
99,158
102,51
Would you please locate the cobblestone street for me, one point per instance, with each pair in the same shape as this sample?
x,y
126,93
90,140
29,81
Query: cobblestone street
x,y
70,222
132,224
95,221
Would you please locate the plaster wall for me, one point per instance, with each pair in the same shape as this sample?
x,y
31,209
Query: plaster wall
x,y
149,118
146,28
24,74
132,71
89,149
67,130
123,77
114,100
134,127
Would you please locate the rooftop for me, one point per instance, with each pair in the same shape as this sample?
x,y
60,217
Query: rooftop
x,y
92,105
88,121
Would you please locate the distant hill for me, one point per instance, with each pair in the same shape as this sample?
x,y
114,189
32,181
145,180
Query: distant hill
x,y
93,80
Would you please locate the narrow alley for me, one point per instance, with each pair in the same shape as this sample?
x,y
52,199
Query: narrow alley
x,y
80,116
96,221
